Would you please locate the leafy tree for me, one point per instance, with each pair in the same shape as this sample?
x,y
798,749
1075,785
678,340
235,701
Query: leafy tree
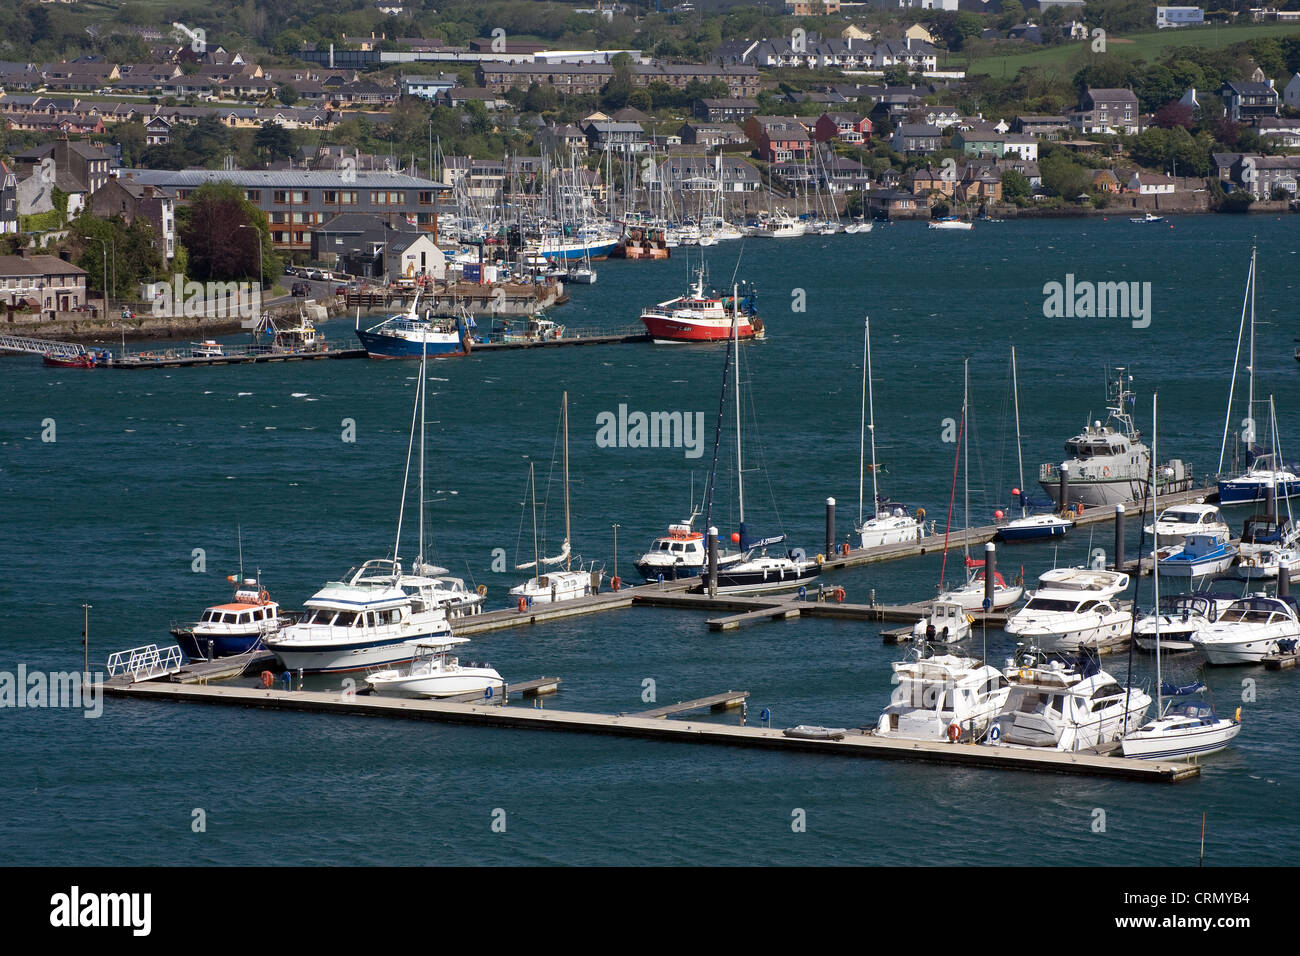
x,y
274,140
216,228
131,258
287,94
1015,186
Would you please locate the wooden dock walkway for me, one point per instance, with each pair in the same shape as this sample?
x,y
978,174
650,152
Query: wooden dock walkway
x,y
716,702
143,360
524,688
856,743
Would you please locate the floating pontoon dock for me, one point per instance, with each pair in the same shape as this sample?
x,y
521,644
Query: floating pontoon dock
x,y
855,743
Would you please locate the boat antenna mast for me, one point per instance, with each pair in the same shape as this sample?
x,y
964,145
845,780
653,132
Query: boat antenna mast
x,y
1246,304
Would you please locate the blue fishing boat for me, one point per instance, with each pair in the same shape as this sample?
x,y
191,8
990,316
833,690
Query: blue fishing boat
x,y
407,335
1199,556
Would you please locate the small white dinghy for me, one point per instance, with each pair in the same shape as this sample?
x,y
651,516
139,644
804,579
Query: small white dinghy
x,y
435,673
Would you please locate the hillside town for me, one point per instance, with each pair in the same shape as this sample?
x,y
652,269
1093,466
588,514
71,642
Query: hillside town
x,y
344,151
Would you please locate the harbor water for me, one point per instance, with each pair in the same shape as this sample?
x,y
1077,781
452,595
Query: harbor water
x,y
127,491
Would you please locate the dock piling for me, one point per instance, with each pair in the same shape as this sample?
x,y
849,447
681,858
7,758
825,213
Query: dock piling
x,y
830,527
713,561
1119,537
990,574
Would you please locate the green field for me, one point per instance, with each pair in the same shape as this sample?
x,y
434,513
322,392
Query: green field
x,y
1146,46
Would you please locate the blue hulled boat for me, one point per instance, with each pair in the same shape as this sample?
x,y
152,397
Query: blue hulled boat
x,y
407,335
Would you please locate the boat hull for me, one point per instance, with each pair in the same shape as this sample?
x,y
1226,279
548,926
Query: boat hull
x,y
328,658
668,329
396,347
195,646
1253,492
1159,742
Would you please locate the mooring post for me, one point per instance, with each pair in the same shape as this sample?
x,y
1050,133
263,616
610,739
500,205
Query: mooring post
x,y
1283,580
1270,500
1065,488
990,574
1119,539
713,562
830,527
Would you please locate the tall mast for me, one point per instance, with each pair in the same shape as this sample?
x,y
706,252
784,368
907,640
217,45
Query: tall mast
x,y
1155,559
568,558
424,361
871,427
1236,359
965,456
537,555
1020,461
1250,400
740,471
862,429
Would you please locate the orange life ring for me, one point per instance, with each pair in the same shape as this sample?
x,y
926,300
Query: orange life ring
x,y
844,549
838,594
267,678
1079,509
264,597
523,605
954,732
615,582
1105,471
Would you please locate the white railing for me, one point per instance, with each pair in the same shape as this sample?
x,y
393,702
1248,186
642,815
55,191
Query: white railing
x,y
145,663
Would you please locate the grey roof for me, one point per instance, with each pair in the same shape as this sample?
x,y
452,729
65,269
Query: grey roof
x,y
289,179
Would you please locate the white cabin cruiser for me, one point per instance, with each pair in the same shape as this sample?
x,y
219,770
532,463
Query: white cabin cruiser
x,y
1268,545
1251,629
944,697
1058,707
1075,608
433,672
1176,523
1181,617
970,595
1200,555
1108,463
947,623
680,553
366,620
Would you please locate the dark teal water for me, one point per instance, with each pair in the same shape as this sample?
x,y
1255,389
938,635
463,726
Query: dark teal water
x,y
148,466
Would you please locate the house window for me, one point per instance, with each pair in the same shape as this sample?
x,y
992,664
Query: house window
x,y
253,195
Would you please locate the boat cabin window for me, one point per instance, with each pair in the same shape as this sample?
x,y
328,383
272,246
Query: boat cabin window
x,y
1086,606
663,545
245,618
1105,695
345,618
679,546
207,617
1050,604
228,618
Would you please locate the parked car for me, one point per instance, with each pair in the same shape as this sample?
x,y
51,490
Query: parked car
x,y
299,288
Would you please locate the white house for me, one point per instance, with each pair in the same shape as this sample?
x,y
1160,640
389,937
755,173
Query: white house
x,y
1150,184
414,255
1291,93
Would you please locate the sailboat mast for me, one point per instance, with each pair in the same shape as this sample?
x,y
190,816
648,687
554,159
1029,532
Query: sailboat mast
x,y
1250,400
1020,461
740,471
1155,559
871,426
424,362
532,490
1236,358
862,428
568,559
965,457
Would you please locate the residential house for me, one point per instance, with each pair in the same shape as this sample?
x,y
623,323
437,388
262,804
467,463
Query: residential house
x,y
884,203
1047,127
1263,174
1280,132
457,97
712,134
613,135
979,182
560,139
940,116
1291,93
356,241
1105,181
414,255
8,200
1108,111
47,281
929,180
429,87
1150,184
841,174
915,138
132,200
725,110
158,131
1245,102
845,127
684,173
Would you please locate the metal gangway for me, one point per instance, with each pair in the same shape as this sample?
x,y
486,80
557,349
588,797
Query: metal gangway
x,y
145,663
18,343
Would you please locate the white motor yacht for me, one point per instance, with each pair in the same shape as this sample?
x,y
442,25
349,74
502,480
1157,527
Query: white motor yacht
x,y
1176,523
944,697
1058,707
1075,608
1181,617
1251,629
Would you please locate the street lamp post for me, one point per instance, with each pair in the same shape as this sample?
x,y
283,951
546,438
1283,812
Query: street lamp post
x,y
259,253
103,243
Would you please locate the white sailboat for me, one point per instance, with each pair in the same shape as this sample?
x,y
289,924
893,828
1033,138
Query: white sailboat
x,y
1028,527
890,524
1182,729
762,572
1267,472
971,594
567,584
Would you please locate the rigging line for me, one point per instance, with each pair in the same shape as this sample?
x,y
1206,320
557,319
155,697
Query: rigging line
x,y
1137,585
952,498
717,436
401,511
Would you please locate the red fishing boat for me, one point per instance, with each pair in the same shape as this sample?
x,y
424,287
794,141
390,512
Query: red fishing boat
x,y
698,316
67,359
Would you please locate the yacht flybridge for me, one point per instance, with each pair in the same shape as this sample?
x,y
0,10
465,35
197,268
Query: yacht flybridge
x,y
1075,608
943,697
1108,463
